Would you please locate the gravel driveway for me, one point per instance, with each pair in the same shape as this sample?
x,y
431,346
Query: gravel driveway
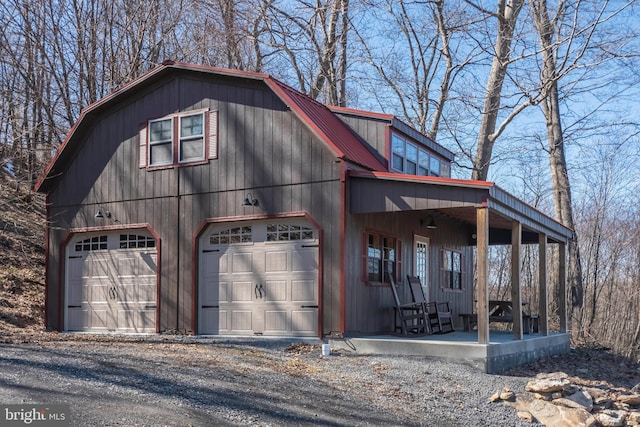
x,y
181,381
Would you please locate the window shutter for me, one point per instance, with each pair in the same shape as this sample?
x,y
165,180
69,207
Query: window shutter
x,y
142,146
213,134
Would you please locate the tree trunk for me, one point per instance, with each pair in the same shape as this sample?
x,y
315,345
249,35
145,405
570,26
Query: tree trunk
x,y
508,11
557,161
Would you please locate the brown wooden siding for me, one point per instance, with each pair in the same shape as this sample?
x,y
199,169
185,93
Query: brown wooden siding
x,y
370,308
372,131
263,149
372,195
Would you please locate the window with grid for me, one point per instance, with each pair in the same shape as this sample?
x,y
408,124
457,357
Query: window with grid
x,y
381,258
92,244
130,241
179,139
409,158
451,270
232,235
286,232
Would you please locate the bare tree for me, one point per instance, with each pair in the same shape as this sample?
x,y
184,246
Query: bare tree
x,y
314,37
427,45
506,17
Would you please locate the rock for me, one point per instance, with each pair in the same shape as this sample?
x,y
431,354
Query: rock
x,y
629,399
548,383
610,418
508,396
633,418
599,396
494,397
525,416
558,416
541,396
580,399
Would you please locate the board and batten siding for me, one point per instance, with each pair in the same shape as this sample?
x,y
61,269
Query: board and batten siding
x,y
373,132
370,308
263,149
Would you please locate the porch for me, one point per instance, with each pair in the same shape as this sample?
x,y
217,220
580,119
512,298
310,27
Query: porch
x,y
501,353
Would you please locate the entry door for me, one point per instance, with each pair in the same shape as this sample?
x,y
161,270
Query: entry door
x,y
421,262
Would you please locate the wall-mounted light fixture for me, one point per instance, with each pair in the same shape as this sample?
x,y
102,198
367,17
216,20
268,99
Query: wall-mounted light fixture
x,y
431,225
249,200
102,214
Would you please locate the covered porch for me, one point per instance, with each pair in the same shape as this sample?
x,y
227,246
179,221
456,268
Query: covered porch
x,y
494,217
501,353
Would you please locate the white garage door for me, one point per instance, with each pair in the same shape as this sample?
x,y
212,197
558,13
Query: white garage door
x,y
111,283
259,279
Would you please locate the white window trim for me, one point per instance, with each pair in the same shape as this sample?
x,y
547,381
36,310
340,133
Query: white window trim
x,y
161,142
420,150
181,139
210,140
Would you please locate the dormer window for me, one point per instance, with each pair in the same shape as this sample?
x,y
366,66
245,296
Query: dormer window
x,y
410,158
184,138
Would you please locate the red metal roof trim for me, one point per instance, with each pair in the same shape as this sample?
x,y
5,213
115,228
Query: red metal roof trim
x,y
333,131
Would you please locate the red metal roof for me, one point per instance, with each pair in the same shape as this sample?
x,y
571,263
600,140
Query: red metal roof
x,y
327,126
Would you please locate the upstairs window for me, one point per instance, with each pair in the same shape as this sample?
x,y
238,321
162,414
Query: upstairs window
x,y
191,138
409,158
179,139
161,142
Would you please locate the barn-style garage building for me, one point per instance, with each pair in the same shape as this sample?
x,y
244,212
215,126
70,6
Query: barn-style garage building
x,y
221,202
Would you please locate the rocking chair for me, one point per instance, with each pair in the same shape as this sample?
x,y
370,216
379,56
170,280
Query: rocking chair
x,y
438,313
410,318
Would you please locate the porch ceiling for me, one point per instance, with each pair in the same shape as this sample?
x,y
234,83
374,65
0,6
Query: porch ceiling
x,y
373,192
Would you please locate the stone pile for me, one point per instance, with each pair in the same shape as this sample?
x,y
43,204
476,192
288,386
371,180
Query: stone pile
x,y
554,400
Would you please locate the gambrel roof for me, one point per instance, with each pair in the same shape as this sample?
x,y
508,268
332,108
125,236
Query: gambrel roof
x,y
318,118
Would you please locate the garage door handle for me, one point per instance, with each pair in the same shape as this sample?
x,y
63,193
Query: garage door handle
x,y
309,306
206,251
210,306
310,246
149,307
74,306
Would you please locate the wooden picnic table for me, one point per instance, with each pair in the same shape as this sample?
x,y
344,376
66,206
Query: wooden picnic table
x,y
501,311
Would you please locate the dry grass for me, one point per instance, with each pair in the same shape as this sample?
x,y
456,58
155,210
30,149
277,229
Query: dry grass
x,y
22,235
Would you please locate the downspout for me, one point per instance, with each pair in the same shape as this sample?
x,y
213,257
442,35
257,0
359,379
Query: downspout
x,y
179,254
343,229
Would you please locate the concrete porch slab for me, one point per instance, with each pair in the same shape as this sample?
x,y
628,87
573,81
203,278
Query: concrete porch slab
x,y
502,353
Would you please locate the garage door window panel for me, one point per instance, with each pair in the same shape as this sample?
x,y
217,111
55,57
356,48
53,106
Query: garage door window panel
x,y
288,232
242,234
91,244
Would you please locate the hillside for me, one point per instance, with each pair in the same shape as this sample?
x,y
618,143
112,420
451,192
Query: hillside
x,y
22,236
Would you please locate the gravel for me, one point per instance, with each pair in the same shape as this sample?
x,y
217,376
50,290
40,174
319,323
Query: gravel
x,y
180,381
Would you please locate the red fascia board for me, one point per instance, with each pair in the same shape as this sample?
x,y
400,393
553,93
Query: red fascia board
x,y
216,70
364,113
426,179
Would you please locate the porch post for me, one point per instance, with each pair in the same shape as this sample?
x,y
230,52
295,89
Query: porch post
x,y
516,296
562,285
482,306
544,298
